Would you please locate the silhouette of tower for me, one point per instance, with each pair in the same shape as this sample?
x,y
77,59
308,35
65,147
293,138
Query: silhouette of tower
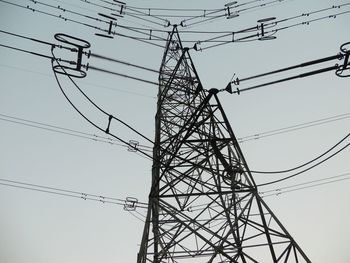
x,y
204,204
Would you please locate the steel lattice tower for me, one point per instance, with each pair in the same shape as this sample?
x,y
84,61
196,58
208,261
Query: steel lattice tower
x,y
204,204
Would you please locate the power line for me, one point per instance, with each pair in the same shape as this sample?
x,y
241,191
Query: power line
x,y
298,187
110,117
70,193
66,19
232,35
123,62
305,185
122,75
305,170
269,32
91,17
308,162
66,131
229,14
343,55
112,141
91,67
304,164
84,82
287,129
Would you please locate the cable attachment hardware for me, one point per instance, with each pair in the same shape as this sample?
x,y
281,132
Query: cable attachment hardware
x,y
75,69
230,90
130,204
133,146
228,87
231,14
110,117
111,23
197,47
263,26
167,23
122,7
344,70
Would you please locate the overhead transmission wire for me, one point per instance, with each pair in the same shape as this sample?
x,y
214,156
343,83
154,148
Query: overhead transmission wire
x,y
53,58
270,32
86,16
287,129
125,7
69,193
66,10
233,34
336,67
252,37
149,36
292,188
223,42
35,40
91,54
175,10
305,185
110,117
66,19
147,20
84,82
308,162
112,141
268,183
165,9
233,10
56,61
152,37
305,170
264,172
66,131
140,11
307,14
90,67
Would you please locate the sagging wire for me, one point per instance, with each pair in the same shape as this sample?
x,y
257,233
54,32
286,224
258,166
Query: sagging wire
x,y
110,117
311,161
305,170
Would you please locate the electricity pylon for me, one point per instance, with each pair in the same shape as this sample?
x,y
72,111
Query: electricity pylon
x,y
204,204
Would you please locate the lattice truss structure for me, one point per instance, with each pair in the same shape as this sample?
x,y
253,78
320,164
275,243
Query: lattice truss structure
x,y
204,204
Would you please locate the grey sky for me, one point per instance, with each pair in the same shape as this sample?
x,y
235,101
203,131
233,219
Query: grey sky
x,y
38,227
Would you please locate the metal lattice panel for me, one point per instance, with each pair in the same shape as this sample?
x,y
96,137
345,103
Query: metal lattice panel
x,y
204,205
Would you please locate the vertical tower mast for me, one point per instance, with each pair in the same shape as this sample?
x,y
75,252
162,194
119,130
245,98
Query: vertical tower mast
x,y
204,204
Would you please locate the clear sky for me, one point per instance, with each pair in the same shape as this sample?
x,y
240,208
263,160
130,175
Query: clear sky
x,y
39,227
